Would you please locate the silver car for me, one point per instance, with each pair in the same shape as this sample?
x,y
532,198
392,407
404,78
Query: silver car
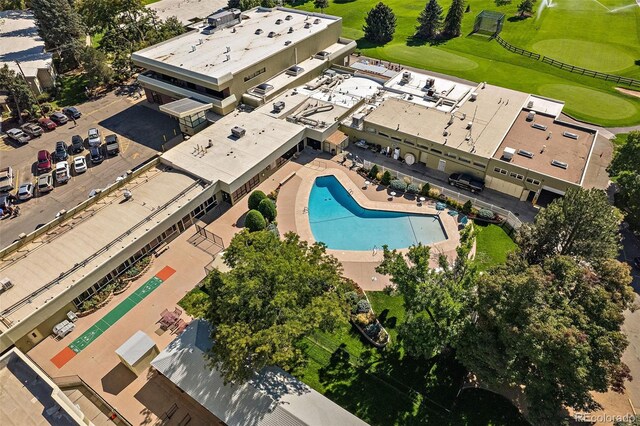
x,y
25,191
19,136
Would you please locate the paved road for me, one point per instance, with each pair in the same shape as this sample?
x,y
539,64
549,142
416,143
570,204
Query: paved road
x,y
140,131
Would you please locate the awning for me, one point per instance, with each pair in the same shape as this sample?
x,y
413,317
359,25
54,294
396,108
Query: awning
x,y
336,138
184,107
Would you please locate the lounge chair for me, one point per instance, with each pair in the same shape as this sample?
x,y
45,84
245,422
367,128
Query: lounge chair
x,y
177,312
440,205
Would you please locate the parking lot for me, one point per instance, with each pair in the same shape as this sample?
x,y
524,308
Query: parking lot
x,y
141,132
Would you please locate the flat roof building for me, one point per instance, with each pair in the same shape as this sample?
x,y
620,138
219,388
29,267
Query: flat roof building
x,y
236,52
21,43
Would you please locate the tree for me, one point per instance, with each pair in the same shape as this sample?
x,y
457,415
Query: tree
x,y
255,221
19,92
628,197
386,178
276,293
453,20
627,157
254,199
380,24
525,8
12,5
268,209
249,4
60,27
373,173
553,328
582,223
95,66
233,4
321,4
429,21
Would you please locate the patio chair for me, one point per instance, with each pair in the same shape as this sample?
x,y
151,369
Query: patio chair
x,y
163,315
181,327
177,312
177,324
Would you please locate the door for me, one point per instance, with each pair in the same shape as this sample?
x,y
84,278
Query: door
x,y
441,165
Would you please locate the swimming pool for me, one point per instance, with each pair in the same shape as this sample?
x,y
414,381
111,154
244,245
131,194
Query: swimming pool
x,y
337,220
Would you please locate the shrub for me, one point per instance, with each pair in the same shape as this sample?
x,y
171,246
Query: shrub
x,y
363,306
273,228
406,180
255,221
386,178
389,290
485,214
273,195
426,188
434,193
372,330
268,209
255,198
379,176
398,185
373,173
364,319
466,208
413,188
352,298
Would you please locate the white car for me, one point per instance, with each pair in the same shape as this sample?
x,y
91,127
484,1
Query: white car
x,y
45,183
94,137
25,191
79,164
63,173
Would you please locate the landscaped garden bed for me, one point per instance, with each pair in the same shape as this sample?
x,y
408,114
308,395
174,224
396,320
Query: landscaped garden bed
x,y
365,320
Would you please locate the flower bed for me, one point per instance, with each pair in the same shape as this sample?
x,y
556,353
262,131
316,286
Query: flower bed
x,y
136,270
364,319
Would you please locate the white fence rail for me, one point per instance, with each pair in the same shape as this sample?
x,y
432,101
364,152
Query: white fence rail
x,y
511,219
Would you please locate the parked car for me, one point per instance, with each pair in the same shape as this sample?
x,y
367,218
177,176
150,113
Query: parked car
x,y
465,181
94,137
59,118
61,152
79,164
63,173
32,129
6,179
77,144
95,153
47,123
44,161
45,183
25,191
19,136
113,147
72,112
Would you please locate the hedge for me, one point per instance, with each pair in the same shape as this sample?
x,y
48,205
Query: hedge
x,y
255,221
268,209
255,198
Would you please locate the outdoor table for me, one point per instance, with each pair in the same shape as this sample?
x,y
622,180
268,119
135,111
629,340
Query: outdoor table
x,y
422,200
366,184
391,195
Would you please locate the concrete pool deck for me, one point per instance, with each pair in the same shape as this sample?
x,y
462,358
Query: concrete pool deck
x,y
293,200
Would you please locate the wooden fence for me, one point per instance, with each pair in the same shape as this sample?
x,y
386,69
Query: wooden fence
x,y
510,47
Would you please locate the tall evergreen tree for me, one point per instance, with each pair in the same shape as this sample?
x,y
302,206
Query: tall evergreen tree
x,y
526,7
60,27
429,21
453,20
21,96
321,4
380,24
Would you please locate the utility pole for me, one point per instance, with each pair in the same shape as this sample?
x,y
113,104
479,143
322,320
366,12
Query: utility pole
x,y
35,96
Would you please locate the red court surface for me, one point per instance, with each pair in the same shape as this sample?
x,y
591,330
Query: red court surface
x,y
165,273
63,357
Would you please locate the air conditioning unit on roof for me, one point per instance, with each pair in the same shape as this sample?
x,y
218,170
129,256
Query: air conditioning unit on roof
x,y
238,131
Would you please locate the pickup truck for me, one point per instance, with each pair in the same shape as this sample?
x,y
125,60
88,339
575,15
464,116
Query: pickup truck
x,y
465,181
113,147
6,179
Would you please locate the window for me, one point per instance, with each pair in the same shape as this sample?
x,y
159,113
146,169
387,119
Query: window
x,y
255,74
409,142
533,181
422,146
396,139
464,160
516,176
477,164
244,189
451,155
383,134
501,171
371,130
437,151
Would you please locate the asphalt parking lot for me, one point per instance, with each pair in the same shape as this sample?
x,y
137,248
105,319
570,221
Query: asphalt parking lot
x,y
141,132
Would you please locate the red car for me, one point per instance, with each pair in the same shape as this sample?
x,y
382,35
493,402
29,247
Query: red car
x,y
47,123
44,161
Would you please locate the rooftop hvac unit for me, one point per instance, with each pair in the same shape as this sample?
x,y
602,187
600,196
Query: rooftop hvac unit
x,y
473,97
224,18
531,116
570,135
530,104
290,30
5,284
508,153
560,164
330,73
316,21
278,106
524,153
406,77
271,34
539,126
288,42
307,25
279,21
429,83
238,132
469,124
259,31
357,120
288,18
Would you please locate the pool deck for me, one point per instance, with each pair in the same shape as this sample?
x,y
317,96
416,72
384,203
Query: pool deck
x,y
293,200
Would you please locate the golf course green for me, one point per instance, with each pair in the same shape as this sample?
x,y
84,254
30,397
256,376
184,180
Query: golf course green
x,y
602,35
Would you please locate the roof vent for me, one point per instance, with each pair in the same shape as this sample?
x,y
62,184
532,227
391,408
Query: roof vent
x,y
288,18
279,21
5,284
316,21
272,34
238,132
531,116
524,153
278,106
539,126
473,97
290,30
288,42
507,154
307,25
530,104
259,31
560,164
570,135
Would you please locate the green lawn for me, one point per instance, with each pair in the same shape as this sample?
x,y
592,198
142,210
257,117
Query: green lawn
x,y
71,90
388,388
587,33
492,246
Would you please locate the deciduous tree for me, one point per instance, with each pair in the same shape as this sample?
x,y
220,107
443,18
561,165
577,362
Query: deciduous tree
x,y
380,24
61,28
276,293
95,66
453,20
628,197
627,157
429,21
21,96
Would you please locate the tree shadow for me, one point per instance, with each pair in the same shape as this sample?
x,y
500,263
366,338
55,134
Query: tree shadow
x,y
637,62
364,43
414,41
517,18
386,321
343,1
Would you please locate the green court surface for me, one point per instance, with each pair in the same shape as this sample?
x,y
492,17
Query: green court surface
x,y
114,315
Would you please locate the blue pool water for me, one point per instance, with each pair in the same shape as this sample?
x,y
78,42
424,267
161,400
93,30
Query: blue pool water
x,y
337,220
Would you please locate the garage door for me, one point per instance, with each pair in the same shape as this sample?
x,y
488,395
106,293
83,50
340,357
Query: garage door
x,y
508,188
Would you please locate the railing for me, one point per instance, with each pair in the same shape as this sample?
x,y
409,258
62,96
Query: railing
x,y
516,49
590,73
511,220
66,382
